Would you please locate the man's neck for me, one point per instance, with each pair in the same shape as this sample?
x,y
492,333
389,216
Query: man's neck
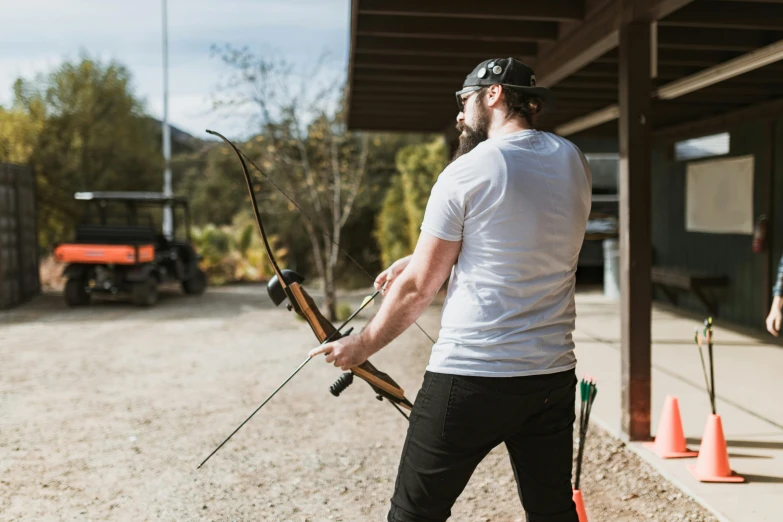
x,y
509,126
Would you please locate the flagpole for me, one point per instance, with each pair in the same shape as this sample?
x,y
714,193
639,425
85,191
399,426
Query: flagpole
x,y
168,222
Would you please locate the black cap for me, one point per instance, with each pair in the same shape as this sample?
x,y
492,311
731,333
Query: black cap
x,y
508,72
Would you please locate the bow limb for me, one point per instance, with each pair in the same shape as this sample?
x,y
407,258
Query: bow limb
x,y
323,231
304,305
275,267
300,300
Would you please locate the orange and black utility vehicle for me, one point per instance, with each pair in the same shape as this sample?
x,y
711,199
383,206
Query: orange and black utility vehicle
x,y
119,248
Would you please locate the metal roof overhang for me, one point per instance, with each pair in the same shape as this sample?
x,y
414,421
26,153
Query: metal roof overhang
x,y
408,57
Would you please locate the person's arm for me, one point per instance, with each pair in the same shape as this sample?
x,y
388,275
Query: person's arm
x,y
417,284
775,317
386,278
413,291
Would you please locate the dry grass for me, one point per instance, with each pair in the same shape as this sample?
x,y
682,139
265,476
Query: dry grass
x,y
50,272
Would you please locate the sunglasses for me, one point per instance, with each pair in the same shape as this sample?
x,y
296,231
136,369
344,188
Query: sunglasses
x,y
463,92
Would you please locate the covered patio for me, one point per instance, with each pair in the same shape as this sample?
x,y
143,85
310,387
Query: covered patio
x,y
632,76
746,365
636,78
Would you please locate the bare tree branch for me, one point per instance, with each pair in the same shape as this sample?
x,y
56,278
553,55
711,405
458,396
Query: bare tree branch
x,y
309,147
360,171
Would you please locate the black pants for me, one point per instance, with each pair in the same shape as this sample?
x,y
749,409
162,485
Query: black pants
x,y
456,421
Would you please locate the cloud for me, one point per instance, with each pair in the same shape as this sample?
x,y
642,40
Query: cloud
x,y
38,35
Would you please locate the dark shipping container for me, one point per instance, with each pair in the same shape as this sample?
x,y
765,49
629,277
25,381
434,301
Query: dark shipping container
x,y
18,236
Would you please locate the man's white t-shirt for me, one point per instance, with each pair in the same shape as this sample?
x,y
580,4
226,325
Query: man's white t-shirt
x,y
519,203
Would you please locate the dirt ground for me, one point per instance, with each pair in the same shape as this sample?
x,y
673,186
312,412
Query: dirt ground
x,y
106,411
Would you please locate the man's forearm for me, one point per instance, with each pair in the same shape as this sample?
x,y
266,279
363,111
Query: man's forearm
x,y
777,302
402,306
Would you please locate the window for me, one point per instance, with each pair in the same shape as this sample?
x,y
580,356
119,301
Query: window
x,y
605,169
719,196
703,147
603,211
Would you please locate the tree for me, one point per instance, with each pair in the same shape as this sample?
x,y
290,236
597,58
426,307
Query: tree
x,y
304,144
81,129
391,225
19,131
379,179
209,179
397,225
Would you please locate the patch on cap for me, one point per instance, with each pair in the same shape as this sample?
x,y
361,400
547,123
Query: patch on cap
x,y
497,69
482,73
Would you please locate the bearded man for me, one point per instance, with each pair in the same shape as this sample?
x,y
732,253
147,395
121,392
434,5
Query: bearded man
x,y
505,223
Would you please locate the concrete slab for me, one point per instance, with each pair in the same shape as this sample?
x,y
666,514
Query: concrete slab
x,y
747,373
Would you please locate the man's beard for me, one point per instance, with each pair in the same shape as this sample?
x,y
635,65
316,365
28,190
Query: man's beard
x,y
471,136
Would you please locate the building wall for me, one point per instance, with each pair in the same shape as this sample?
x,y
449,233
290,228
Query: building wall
x,y
730,254
591,256
18,236
777,190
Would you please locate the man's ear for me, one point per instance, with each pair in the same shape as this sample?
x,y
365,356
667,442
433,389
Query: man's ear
x,y
493,95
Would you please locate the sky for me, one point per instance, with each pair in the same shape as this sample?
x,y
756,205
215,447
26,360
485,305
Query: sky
x,y
38,35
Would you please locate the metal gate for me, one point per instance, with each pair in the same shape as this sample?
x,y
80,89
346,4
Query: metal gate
x,y
18,236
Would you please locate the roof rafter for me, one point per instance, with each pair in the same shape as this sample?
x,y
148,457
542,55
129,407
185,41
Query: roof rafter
x,y
459,29
552,10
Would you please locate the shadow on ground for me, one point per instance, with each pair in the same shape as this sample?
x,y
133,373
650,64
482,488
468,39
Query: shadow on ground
x,y
217,302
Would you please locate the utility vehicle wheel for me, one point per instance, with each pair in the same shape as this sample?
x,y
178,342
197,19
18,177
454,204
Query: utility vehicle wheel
x,y
76,293
196,284
145,293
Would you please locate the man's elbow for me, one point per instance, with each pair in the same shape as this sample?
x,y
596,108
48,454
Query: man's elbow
x,y
419,287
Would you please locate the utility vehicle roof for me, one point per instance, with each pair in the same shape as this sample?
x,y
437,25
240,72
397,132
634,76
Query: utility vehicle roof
x,y
142,197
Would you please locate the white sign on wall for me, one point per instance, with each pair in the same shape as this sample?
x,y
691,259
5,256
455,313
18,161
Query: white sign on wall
x,y
719,196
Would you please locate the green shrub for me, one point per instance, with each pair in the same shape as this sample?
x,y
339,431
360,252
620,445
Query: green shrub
x,y
397,224
235,252
344,311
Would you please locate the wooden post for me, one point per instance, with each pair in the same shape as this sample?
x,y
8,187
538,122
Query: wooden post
x,y
635,227
768,265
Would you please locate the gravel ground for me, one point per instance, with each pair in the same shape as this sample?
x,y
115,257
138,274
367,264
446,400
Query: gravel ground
x,y
106,411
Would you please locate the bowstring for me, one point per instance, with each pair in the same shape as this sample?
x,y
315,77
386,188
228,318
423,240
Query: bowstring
x,y
321,228
399,409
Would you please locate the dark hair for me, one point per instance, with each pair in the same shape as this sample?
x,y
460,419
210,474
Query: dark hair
x,y
518,104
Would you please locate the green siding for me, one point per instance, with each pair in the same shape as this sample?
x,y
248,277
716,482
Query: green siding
x,y
729,254
776,242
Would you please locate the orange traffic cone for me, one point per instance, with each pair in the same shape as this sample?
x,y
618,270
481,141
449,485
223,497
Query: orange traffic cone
x,y
580,506
713,462
670,440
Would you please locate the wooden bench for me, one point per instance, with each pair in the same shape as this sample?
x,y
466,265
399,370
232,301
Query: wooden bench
x,y
698,283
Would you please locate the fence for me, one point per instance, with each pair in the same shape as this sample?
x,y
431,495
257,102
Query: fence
x,y
18,236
